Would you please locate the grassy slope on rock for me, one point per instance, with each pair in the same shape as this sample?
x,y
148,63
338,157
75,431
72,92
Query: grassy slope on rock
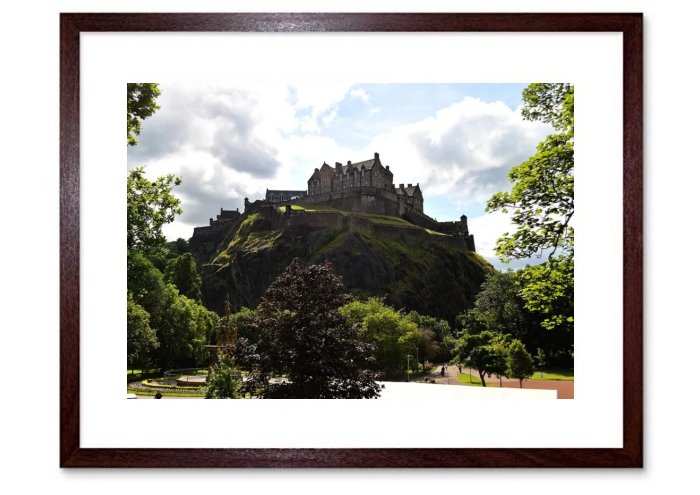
x,y
430,277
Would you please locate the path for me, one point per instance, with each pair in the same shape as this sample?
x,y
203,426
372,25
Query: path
x,y
565,389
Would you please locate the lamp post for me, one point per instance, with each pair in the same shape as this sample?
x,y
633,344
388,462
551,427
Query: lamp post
x,y
408,364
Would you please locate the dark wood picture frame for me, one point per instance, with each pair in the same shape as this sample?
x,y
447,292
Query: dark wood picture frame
x,y
71,453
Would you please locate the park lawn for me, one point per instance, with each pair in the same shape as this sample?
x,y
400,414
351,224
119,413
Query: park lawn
x,y
476,381
151,393
554,374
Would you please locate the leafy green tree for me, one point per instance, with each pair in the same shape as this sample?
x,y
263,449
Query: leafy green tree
x,y
541,201
160,255
183,327
481,352
498,349
393,335
442,336
140,104
144,282
224,380
150,205
498,307
299,345
140,337
547,291
182,272
519,362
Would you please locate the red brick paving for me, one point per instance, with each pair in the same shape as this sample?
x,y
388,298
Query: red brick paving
x,y
565,389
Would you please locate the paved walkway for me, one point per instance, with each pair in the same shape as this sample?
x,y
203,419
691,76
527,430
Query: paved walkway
x,y
565,389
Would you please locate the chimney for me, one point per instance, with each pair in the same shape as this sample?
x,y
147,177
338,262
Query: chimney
x,y
401,186
338,167
410,185
376,156
349,162
387,167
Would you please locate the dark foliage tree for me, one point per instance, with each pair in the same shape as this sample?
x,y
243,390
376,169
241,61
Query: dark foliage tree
x,y
498,307
442,337
182,272
300,346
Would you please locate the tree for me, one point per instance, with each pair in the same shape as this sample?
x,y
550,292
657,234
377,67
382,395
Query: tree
x,y
301,346
150,205
542,197
427,347
224,380
182,272
519,362
391,333
442,336
547,290
482,351
498,307
183,327
140,104
140,337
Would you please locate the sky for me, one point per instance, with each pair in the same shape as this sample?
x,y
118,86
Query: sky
x,y
231,141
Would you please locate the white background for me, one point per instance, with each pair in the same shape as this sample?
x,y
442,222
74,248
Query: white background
x,y
591,61
29,250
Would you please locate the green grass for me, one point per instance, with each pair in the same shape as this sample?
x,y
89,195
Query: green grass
x,y
386,220
151,393
312,208
475,380
554,374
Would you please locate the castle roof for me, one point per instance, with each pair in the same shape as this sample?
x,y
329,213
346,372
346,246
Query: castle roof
x,y
409,191
367,165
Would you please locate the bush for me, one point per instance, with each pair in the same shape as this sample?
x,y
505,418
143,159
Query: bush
x,y
224,380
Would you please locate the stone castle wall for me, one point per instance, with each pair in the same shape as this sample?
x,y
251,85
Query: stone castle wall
x,y
353,223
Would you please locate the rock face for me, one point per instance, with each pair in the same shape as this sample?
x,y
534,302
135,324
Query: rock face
x,y
433,278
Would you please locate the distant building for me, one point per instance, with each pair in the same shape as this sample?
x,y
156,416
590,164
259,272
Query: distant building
x,y
365,174
278,196
365,187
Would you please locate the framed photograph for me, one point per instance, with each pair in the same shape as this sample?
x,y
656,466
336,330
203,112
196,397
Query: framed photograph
x,y
351,206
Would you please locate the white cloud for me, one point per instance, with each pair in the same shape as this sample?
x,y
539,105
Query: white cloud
x,y
232,141
360,94
463,152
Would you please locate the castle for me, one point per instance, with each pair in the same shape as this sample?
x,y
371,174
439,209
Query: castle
x,y
365,188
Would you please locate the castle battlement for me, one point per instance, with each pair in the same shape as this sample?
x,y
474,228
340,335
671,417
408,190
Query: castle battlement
x,y
361,187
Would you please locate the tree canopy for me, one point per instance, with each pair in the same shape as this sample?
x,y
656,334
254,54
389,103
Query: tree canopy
x,y
140,104
392,334
541,201
300,346
182,272
497,307
519,362
150,205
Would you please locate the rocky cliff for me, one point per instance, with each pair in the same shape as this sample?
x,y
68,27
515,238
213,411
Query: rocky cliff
x,y
411,272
